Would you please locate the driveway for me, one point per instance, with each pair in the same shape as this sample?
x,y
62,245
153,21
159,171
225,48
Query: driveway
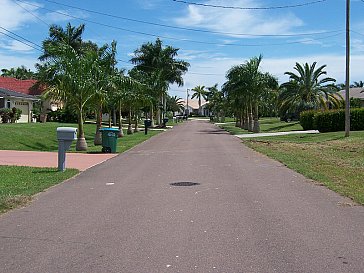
x,y
192,199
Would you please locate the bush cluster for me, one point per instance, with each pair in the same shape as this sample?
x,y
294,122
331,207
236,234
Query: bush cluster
x,y
64,115
10,115
332,120
307,118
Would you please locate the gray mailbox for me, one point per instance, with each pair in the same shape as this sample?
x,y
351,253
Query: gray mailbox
x,y
65,136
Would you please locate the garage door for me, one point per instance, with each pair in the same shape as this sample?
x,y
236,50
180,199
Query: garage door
x,y
24,107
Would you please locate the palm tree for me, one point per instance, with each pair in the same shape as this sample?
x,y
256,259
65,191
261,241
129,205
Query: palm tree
x,y
175,104
247,87
73,82
200,93
103,80
217,102
358,84
71,36
308,90
21,73
160,65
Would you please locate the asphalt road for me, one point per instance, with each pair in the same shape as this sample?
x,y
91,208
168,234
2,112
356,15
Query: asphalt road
x,y
246,214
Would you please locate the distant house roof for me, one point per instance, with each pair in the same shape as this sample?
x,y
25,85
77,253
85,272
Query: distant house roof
x,y
355,92
193,103
27,87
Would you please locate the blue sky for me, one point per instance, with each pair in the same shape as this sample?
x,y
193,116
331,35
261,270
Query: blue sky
x,y
311,32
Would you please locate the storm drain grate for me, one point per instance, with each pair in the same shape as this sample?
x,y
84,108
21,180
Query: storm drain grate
x,y
184,184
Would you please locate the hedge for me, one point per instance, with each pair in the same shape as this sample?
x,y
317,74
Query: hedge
x,y
332,120
307,119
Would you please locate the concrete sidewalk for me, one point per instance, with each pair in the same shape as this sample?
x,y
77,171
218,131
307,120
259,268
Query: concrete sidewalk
x,y
277,134
50,159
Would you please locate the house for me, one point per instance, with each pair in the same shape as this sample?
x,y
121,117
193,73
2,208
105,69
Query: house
x,y
194,109
356,93
22,94
19,94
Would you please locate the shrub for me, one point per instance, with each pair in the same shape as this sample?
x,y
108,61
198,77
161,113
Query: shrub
x,y
355,103
330,121
357,119
307,119
334,120
15,114
11,115
5,115
64,115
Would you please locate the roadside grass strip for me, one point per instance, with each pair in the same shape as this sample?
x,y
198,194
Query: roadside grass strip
x,y
43,137
267,125
19,184
328,158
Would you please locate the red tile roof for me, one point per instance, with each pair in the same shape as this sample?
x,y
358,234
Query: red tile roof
x,y
21,86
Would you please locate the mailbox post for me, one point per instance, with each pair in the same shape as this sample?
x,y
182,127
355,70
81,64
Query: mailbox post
x,y
65,136
147,123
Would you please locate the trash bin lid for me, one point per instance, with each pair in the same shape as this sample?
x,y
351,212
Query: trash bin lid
x,y
110,129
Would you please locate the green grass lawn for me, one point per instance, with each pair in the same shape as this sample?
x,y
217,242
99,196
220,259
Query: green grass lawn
x,y
43,137
329,158
18,184
267,125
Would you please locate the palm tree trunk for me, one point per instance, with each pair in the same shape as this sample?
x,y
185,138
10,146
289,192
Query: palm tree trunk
x,y
121,133
81,144
256,128
246,119
113,117
152,115
97,138
130,130
250,118
199,105
136,129
110,117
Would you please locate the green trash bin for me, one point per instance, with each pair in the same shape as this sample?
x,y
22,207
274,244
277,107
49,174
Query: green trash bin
x,y
109,139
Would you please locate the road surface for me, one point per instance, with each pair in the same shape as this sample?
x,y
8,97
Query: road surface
x,y
193,199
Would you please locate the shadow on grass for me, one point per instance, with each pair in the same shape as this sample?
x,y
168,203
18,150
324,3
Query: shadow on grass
x,y
46,171
37,146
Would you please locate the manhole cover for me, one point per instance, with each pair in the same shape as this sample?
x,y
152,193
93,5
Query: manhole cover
x,y
184,184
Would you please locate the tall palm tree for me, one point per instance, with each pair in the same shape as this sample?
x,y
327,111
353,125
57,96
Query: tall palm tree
x,y
308,89
103,80
247,87
200,93
217,102
160,65
71,36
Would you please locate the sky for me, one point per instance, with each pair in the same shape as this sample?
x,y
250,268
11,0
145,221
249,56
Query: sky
x,y
212,35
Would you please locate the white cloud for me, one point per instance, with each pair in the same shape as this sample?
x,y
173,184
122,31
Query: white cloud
x,y
238,21
14,16
8,61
